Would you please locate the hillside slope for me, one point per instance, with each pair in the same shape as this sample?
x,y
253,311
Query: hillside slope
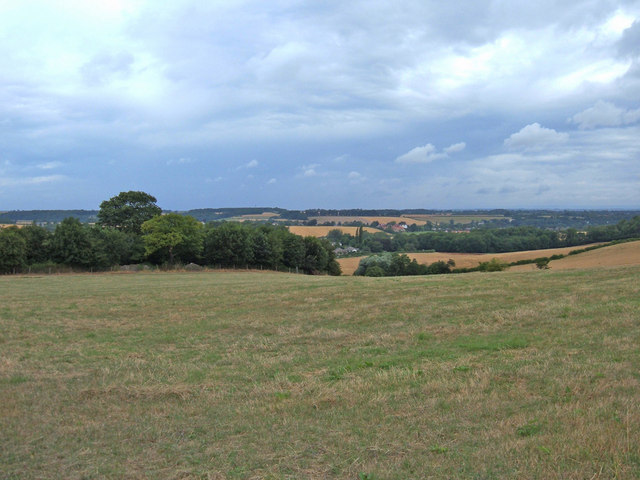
x,y
624,254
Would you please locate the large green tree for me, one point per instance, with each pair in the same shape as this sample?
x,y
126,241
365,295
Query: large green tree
x,y
13,250
37,240
71,244
228,244
173,237
127,211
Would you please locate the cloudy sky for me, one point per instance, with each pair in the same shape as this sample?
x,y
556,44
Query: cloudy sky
x,y
331,104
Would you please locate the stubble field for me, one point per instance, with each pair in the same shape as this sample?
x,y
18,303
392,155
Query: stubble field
x,y
470,260
323,231
245,375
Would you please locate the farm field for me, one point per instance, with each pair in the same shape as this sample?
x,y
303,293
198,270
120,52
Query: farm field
x,y
258,217
367,220
468,260
418,219
444,219
613,256
525,375
322,231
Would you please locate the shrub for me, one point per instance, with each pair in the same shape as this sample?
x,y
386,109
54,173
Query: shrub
x,y
375,271
493,265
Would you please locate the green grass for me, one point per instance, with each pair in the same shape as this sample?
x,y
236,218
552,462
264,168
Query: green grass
x,y
245,375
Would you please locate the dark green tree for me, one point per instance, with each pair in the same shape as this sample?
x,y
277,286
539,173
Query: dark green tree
x,y
319,257
71,244
172,237
334,235
13,250
227,244
316,257
127,211
293,250
37,240
115,247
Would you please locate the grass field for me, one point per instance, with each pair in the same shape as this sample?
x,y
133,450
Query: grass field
x,y
322,231
469,260
532,375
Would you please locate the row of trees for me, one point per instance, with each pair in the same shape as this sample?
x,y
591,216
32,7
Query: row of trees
x,y
131,229
167,239
394,265
488,241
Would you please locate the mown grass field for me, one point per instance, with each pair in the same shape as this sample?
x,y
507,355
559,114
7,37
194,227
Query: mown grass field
x,y
532,375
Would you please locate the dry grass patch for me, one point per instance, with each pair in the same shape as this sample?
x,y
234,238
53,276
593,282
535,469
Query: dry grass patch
x,y
223,375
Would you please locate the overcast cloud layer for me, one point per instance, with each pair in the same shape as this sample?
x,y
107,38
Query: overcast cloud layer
x,y
300,104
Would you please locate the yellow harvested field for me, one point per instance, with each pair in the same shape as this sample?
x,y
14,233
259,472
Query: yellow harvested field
x,y
466,260
620,255
367,220
322,231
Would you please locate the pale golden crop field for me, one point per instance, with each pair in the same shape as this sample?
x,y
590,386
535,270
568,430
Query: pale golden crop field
x,y
614,256
322,231
470,260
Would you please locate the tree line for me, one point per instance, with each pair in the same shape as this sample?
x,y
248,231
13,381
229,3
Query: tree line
x,y
499,240
131,230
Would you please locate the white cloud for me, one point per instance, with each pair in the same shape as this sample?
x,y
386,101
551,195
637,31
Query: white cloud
x,y
12,182
605,114
340,83
179,161
50,165
271,181
535,137
455,148
424,154
429,153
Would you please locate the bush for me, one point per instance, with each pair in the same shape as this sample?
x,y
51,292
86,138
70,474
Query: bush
x,y
375,271
493,265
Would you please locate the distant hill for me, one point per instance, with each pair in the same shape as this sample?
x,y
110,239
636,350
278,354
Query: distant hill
x,y
212,214
48,216
496,218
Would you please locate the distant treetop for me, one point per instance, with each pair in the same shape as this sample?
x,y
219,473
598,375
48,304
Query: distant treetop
x,y
127,211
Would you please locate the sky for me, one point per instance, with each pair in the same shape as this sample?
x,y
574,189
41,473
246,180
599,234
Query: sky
x,y
471,104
